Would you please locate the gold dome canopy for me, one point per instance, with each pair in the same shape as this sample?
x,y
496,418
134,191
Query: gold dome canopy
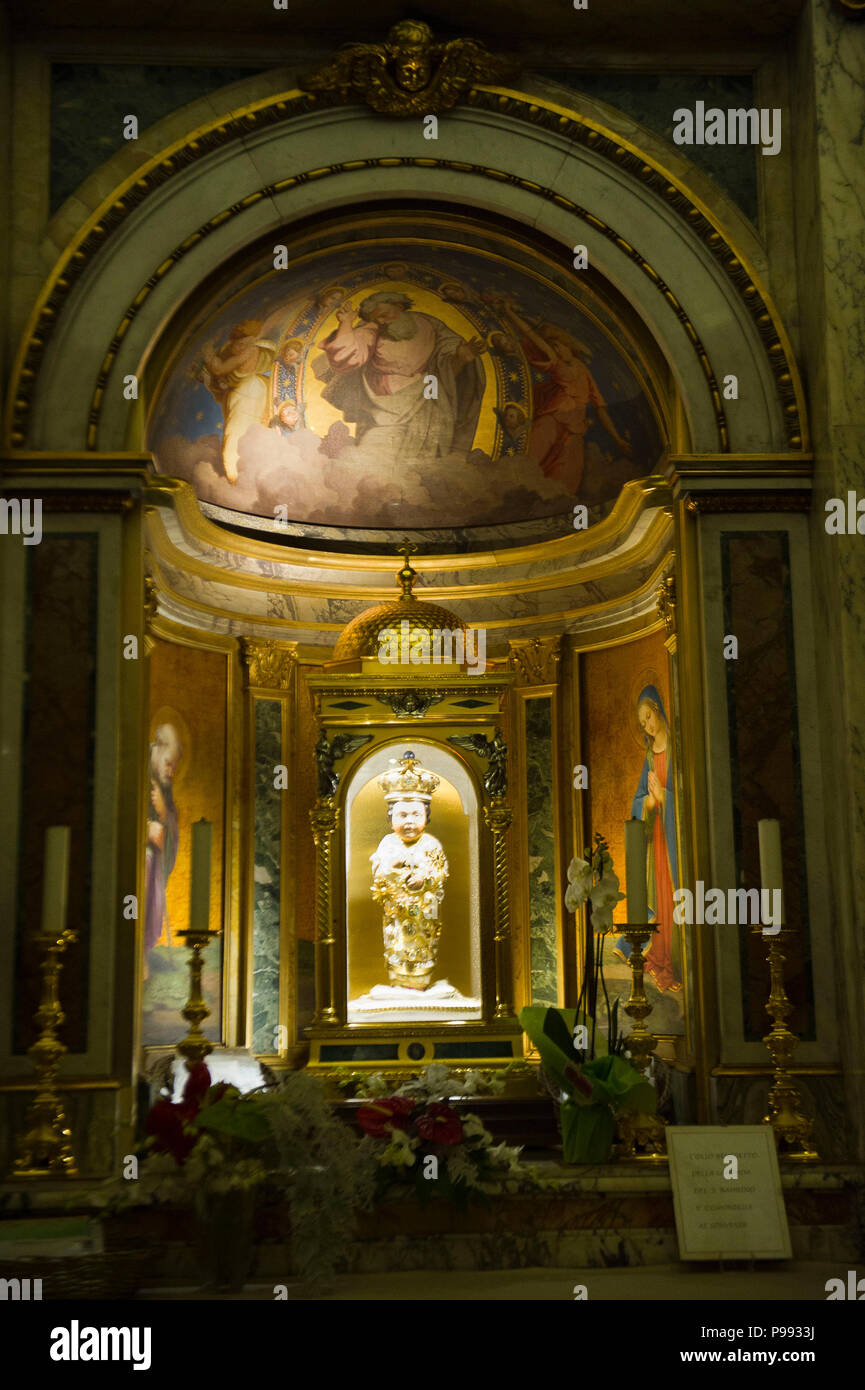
x,y
362,637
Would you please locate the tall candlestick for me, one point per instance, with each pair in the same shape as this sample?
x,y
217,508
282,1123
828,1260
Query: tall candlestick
x,y
771,864
55,879
635,871
199,893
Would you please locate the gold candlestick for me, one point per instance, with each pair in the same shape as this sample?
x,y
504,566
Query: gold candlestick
x,y
641,1043
195,1046
641,1136
793,1131
45,1150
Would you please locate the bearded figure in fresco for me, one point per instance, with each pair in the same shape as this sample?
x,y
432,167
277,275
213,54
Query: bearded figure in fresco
x,y
654,804
377,374
409,869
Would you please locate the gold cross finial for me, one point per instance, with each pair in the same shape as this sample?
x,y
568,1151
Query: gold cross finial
x,y
407,575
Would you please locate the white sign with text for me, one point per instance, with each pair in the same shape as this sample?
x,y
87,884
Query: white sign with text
x,y
727,1193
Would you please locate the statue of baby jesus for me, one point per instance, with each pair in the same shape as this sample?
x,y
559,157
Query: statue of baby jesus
x,y
409,869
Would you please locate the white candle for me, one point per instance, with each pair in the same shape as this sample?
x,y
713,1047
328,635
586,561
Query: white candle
x,y
199,893
771,863
635,871
55,879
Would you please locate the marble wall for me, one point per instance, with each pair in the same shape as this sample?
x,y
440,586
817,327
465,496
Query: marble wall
x,y
59,730
540,817
763,720
267,874
89,102
828,79
743,1100
651,99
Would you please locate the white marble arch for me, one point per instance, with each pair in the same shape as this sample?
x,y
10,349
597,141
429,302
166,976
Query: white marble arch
x,y
89,318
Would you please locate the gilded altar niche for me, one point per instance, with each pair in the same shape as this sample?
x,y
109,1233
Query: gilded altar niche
x,y
412,887
413,934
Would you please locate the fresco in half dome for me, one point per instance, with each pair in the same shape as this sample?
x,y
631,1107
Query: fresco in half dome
x,y
393,385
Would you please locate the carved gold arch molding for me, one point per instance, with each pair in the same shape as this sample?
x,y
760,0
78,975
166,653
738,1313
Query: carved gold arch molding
x,y
534,111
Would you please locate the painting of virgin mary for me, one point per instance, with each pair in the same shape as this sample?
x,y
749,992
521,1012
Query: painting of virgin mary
x,y
654,804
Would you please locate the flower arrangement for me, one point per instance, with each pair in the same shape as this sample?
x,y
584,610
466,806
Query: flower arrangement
x,y
214,1135
279,1144
435,1082
419,1141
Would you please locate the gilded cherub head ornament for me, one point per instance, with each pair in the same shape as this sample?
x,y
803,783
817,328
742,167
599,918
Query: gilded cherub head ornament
x,y
408,46
410,74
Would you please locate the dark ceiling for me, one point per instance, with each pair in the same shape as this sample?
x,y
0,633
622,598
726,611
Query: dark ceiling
x,y
505,25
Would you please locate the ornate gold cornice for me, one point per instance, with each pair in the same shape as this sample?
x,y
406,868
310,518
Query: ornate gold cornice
x,y
408,75
667,603
580,546
535,659
592,567
269,664
211,616
111,500
533,111
705,502
151,611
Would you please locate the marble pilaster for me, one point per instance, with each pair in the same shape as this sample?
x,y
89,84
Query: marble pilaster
x,y
828,77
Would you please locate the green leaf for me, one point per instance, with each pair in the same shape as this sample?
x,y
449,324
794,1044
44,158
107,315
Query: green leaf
x,y
620,1085
239,1119
552,1032
558,1032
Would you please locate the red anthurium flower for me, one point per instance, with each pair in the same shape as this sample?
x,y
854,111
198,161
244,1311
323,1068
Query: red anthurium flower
x,y
576,1077
197,1085
440,1124
165,1122
380,1117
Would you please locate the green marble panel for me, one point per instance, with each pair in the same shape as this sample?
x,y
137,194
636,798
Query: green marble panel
x,y
651,99
540,814
58,742
305,986
90,100
267,876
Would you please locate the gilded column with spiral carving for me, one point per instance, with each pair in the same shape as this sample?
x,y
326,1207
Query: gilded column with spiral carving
x,y
498,817
324,819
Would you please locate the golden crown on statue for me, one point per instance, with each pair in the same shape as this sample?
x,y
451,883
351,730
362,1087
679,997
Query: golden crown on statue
x,y
407,779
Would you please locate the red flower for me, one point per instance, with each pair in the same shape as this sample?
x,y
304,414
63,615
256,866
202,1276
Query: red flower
x,y
440,1124
165,1122
379,1118
197,1085
576,1077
